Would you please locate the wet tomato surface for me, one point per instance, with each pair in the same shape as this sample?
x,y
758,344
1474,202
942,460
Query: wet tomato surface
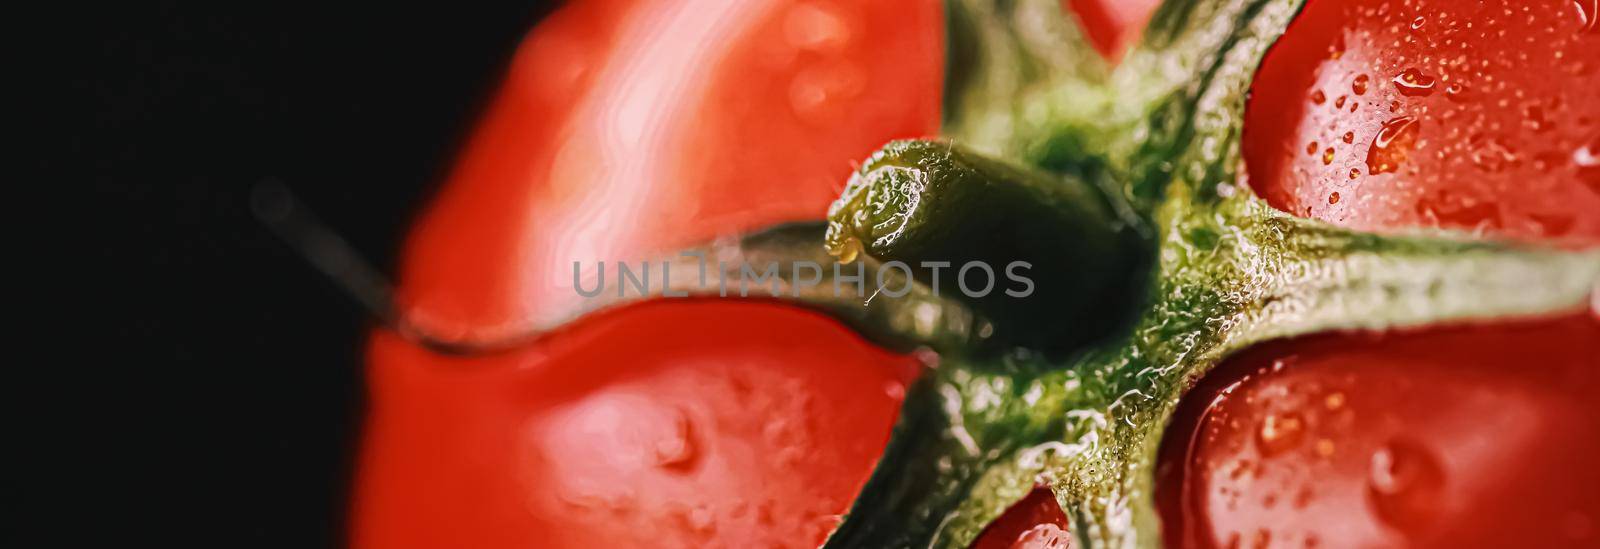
x,y
1036,522
1447,437
1475,116
663,425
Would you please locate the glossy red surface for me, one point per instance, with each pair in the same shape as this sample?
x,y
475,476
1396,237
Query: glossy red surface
x,y
669,424
1036,522
1112,25
1448,437
1476,116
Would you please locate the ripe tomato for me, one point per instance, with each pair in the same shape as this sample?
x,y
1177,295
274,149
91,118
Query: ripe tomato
x,y
623,129
1383,115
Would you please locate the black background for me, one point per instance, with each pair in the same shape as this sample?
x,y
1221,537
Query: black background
x,y
211,394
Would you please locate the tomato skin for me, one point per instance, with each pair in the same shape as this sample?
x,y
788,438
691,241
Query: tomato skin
x,y
625,129
1448,437
1036,522
1112,26
1476,116
629,129
668,424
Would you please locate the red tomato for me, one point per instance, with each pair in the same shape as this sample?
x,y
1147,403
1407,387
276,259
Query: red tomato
x,y
1376,114
626,129
1453,437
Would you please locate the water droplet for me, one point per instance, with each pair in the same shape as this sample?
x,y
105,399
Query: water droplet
x,y
1349,137
1412,83
701,520
816,27
1588,11
1044,536
1418,22
1339,103
1324,447
1587,160
1333,401
1533,116
1279,433
1263,539
1404,485
1359,85
817,94
847,250
676,450
1327,156
1587,156
1392,144
1334,198
895,390
1493,156
1318,97
1355,173
1456,91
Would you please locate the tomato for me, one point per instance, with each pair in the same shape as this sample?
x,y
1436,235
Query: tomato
x,y
1036,522
1383,115
1112,26
625,129
1448,437
1477,116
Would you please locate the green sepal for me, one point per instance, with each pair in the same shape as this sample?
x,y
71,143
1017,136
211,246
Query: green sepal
x,y
781,261
1021,82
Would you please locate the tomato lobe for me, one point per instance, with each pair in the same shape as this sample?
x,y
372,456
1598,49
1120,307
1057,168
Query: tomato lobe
x,y
1035,522
1448,437
625,130
1475,116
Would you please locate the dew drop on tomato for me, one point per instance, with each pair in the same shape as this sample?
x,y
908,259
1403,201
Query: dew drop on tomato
x,y
1035,522
1405,485
1588,12
1412,83
1489,109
